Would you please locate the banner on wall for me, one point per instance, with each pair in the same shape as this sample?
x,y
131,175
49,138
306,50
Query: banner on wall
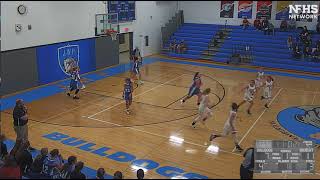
x,y
282,10
264,9
245,9
227,9
55,60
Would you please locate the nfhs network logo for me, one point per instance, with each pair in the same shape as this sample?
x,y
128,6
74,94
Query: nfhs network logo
x,y
303,11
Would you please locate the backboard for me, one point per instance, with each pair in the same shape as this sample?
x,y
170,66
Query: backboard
x,y
106,22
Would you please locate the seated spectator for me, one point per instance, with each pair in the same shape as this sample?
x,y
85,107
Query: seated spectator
x,y
257,24
265,23
245,23
181,48
269,29
296,52
3,147
68,167
307,52
220,34
215,42
318,27
283,25
52,164
292,24
100,173
318,44
140,174
38,161
247,166
173,45
117,175
10,169
290,42
316,53
77,174
24,158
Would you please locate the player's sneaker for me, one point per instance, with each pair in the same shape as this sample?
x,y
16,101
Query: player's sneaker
x,y
68,94
182,101
194,124
212,137
76,97
266,105
238,148
248,111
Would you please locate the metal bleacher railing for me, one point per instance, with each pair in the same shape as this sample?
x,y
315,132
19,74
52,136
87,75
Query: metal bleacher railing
x,y
172,26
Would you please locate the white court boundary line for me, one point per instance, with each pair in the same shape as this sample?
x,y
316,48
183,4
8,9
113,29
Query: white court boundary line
x,y
134,96
258,119
314,98
158,135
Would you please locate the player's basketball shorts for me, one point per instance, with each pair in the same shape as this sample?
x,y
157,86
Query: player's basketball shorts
x,y
136,71
204,110
258,83
73,85
227,129
193,91
267,93
128,96
248,97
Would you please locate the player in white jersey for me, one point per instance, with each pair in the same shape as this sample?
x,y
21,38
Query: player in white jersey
x,y
249,93
259,79
229,128
204,110
267,91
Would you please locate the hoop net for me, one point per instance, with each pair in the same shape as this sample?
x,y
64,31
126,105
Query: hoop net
x,y
112,33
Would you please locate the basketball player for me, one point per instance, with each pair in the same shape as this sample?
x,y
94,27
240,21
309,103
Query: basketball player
x,y
127,94
136,72
204,110
259,79
194,89
267,92
74,83
229,127
249,93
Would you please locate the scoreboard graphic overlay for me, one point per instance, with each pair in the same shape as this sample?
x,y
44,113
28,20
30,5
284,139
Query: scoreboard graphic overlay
x,y
284,157
126,10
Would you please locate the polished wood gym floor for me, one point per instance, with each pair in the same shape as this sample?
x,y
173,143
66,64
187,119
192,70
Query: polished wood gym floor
x,y
99,117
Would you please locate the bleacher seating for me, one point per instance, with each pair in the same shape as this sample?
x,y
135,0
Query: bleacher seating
x,y
268,51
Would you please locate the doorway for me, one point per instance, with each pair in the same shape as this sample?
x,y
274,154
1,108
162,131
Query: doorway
x,y
125,47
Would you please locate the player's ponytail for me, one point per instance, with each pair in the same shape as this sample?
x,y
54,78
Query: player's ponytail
x,y
197,73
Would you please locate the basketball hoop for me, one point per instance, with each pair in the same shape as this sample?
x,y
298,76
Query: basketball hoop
x,y
112,33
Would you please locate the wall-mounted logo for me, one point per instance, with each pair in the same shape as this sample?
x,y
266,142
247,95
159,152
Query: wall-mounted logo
x,y
302,121
68,57
304,11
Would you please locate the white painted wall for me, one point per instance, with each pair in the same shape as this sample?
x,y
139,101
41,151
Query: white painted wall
x,y
208,12
52,22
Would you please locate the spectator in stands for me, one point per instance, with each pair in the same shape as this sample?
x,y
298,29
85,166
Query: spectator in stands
x,y
24,158
68,167
245,23
140,174
52,165
246,168
316,53
307,52
173,45
77,174
318,44
318,27
257,24
117,175
181,48
269,29
215,42
283,25
290,42
100,173
10,169
296,52
38,161
3,147
292,24
220,34
264,23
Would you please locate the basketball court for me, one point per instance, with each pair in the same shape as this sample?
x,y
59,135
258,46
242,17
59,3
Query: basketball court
x,y
159,128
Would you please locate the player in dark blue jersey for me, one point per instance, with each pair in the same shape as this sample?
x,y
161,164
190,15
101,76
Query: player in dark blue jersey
x,y
127,94
136,72
194,89
74,83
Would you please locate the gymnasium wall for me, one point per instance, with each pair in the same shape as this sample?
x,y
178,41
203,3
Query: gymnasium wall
x,y
208,12
51,21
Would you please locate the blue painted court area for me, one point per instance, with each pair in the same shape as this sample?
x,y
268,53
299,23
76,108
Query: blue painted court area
x,y
89,172
304,128
49,90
